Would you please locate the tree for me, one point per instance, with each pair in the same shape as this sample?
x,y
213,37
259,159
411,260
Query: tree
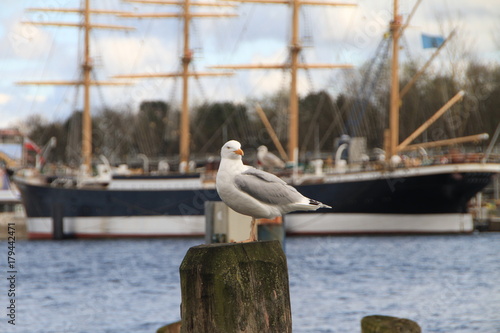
x,y
482,99
360,110
112,135
317,112
215,123
151,131
41,131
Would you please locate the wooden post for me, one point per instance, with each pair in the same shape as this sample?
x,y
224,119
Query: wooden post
x,y
238,287
386,324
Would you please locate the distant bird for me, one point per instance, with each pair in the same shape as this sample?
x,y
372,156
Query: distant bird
x,y
256,193
268,159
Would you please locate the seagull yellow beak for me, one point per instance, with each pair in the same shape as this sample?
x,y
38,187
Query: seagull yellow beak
x,y
239,152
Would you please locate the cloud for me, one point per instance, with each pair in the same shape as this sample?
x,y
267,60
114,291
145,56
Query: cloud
x,y
4,98
260,34
128,55
25,40
133,55
267,82
35,98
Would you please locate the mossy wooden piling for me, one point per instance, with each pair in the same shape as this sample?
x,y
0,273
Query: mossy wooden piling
x,y
239,287
387,324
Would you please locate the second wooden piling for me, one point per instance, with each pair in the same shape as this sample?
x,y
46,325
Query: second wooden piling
x,y
387,324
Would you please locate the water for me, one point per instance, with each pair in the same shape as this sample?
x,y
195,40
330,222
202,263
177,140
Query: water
x,y
445,283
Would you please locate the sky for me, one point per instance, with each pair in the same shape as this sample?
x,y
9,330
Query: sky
x,y
259,34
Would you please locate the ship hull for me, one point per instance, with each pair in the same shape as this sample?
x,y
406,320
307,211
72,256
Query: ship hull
x,y
427,199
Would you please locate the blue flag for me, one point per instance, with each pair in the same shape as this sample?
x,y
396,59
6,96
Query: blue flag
x,y
429,41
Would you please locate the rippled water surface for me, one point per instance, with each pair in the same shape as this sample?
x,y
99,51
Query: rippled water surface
x,y
445,283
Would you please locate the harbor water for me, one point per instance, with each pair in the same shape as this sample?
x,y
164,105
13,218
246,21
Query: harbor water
x,y
445,283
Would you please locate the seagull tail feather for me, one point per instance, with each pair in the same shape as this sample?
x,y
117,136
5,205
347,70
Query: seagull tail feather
x,y
317,203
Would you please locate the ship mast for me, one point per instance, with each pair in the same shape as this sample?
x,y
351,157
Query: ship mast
x,y
392,144
293,66
186,60
293,126
87,67
393,136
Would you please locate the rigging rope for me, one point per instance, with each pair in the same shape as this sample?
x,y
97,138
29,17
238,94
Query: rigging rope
x,y
336,122
308,36
244,30
308,72
313,122
357,123
135,62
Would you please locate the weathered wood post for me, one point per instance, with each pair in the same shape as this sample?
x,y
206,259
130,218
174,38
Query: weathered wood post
x,y
238,287
387,324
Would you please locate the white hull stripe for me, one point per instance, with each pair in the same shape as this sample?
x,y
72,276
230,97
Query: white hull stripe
x,y
192,225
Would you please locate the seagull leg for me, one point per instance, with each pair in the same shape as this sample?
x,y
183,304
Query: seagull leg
x,y
253,230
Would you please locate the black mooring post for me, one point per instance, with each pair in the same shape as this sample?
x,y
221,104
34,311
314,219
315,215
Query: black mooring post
x,y
57,221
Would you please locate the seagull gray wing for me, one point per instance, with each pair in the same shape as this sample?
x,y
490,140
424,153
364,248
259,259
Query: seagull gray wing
x,y
273,160
266,187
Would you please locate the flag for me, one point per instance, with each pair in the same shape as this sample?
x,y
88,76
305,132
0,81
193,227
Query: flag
x,y
429,41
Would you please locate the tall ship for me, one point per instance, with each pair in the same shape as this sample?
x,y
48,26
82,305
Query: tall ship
x,y
383,196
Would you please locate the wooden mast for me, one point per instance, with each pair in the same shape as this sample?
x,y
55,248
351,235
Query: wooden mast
x,y
186,60
293,126
393,136
184,125
431,120
448,142
392,144
271,132
293,66
87,68
86,80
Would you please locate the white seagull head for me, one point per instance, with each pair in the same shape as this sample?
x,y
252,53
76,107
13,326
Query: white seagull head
x,y
262,149
231,150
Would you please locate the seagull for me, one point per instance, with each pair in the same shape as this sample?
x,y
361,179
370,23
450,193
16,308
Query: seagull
x,y
268,159
254,192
